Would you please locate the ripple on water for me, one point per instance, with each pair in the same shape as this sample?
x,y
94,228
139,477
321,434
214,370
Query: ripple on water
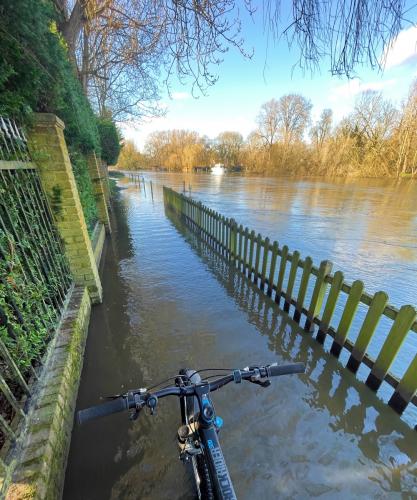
x,y
173,303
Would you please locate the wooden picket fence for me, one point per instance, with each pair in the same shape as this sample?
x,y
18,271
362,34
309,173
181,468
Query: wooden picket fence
x,y
276,271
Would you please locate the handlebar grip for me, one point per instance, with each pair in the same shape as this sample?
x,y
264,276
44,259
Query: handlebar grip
x,y
277,370
107,408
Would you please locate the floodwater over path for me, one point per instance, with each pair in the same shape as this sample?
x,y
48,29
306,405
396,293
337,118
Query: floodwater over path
x,y
169,302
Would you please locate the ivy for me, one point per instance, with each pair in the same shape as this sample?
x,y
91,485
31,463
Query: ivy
x,y
85,189
37,76
34,274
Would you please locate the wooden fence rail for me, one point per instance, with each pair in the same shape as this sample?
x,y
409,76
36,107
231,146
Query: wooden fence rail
x,y
277,271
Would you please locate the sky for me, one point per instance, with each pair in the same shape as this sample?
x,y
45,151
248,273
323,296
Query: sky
x,y
243,85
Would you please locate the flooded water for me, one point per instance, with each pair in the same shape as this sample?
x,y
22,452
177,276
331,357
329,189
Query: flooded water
x,y
169,302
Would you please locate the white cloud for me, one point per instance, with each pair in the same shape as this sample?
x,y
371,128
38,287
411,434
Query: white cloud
x,y
180,96
401,50
341,98
355,86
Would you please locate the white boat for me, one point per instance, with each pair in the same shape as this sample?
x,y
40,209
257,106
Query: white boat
x,y
218,169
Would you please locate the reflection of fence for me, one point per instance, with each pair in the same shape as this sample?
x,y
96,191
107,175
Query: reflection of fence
x,y
140,182
276,271
343,397
34,276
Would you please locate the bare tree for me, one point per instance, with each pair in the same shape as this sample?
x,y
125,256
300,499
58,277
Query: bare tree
x,y
268,122
120,45
405,136
228,146
285,119
177,149
348,32
374,117
294,116
320,132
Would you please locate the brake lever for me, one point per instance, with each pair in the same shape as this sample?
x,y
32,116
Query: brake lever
x,y
139,404
257,378
114,396
265,383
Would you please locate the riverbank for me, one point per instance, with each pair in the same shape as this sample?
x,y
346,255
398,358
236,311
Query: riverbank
x,y
274,174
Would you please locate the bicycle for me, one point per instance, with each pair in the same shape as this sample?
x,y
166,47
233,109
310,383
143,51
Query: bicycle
x,y
198,435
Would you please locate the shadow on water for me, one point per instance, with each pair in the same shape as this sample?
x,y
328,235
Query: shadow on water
x,y
353,408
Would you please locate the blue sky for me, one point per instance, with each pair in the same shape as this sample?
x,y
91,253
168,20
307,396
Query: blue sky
x,y
244,84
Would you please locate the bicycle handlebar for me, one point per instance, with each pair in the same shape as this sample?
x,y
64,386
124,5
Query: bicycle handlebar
x,y
129,401
102,410
277,370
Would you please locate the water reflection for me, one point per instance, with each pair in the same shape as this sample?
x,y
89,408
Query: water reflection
x,y
170,302
353,409
362,225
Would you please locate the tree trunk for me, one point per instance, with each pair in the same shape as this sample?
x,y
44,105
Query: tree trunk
x,y
72,26
85,66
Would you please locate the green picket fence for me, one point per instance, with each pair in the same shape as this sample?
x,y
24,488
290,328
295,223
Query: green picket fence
x,y
278,273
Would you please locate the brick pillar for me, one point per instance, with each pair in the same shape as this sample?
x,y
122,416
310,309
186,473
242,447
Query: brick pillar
x,y
94,169
106,182
50,153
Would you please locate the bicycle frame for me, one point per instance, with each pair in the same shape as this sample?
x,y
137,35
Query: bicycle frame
x,y
208,437
196,438
219,474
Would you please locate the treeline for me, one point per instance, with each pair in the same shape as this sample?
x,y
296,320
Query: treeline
x,y
375,140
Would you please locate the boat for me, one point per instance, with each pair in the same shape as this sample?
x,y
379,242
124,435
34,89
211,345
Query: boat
x,y
218,169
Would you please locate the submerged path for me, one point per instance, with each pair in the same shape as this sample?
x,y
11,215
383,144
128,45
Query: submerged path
x,y
170,302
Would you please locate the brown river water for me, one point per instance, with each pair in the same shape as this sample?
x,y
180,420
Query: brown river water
x,y
170,302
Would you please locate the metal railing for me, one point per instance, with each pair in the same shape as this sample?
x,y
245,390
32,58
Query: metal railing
x,y
276,272
34,276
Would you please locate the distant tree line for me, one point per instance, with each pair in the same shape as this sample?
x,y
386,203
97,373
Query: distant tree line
x,y
375,140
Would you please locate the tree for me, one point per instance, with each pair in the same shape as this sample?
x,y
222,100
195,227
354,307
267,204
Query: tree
x,y
294,116
177,149
130,158
285,119
268,122
374,117
346,32
120,46
320,134
405,135
109,139
321,130
228,146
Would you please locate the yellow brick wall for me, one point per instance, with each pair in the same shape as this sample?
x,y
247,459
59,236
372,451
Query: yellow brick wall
x,y
50,153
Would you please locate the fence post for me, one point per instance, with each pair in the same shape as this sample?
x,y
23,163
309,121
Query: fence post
x,y
305,278
396,336
50,152
318,294
233,240
99,191
200,217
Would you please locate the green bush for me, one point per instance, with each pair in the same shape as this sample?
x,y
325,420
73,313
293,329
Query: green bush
x,y
36,75
109,140
85,189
